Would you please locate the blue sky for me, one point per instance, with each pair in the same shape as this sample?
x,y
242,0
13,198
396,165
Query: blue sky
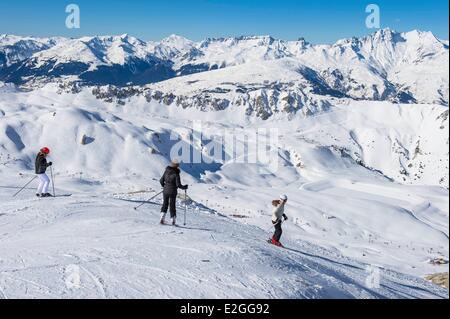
x,y
319,21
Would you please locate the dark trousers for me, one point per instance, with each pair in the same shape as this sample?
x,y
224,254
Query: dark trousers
x,y
278,231
170,200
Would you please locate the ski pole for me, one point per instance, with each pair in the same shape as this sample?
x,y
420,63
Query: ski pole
x,y
273,225
24,186
53,181
185,206
146,202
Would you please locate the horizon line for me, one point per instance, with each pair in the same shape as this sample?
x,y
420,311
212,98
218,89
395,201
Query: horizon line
x,y
223,37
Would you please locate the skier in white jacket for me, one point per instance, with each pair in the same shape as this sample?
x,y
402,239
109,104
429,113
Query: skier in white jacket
x,y
277,219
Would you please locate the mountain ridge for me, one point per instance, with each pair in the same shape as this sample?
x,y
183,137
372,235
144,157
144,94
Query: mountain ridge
x,y
400,67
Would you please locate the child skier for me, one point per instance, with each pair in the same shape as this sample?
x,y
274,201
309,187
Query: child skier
x,y
277,219
40,169
171,181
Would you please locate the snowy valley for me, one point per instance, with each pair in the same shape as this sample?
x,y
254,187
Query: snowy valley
x,y
362,153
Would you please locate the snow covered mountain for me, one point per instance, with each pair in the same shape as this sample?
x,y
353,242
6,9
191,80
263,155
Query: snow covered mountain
x,y
409,67
265,78
14,49
383,66
224,52
362,153
350,210
403,67
175,47
117,60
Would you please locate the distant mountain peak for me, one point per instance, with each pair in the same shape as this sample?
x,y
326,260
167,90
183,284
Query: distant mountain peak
x,y
175,37
176,40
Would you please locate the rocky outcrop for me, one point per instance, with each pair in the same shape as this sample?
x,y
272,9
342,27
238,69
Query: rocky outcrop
x,y
439,279
261,102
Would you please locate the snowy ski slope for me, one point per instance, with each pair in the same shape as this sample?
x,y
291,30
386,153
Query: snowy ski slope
x,y
349,207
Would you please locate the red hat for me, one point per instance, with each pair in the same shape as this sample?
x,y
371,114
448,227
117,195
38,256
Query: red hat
x,y
45,150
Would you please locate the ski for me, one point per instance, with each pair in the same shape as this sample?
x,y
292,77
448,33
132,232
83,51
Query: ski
x,y
57,196
166,224
269,241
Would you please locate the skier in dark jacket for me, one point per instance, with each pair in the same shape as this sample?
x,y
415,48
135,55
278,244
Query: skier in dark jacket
x,y
40,169
171,182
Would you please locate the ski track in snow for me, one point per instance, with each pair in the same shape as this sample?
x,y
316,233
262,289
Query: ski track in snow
x,y
122,253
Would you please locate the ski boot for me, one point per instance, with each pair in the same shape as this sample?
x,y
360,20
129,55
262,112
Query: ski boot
x,y
162,221
276,242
